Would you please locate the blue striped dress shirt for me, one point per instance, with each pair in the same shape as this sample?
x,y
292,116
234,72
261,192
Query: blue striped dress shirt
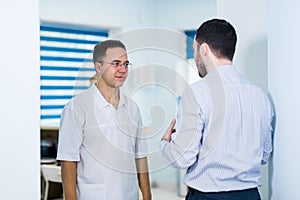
x,y
224,133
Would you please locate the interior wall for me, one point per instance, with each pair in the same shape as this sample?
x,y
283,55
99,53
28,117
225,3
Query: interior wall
x,y
113,14
251,52
129,15
19,86
155,82
182,15
283,54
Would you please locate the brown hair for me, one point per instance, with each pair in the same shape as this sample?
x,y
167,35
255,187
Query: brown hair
x,y
100,49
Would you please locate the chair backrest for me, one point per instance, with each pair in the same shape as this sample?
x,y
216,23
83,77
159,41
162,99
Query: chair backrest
x,y
51,173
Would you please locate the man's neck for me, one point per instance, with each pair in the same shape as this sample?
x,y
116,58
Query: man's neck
x,y
217,63
110,94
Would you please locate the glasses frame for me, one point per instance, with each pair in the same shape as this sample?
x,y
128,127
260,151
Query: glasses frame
x,y
117,64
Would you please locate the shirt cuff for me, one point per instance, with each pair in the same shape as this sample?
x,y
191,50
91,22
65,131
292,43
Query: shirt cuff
x,y
141,155
67,157
163,144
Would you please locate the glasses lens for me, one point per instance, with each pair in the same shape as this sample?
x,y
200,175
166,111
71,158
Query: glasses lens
x,y
118,64
115,64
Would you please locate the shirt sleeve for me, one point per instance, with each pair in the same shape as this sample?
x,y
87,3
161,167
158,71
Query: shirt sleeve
x,y
70,134
183,149
141,147
141,144
268,138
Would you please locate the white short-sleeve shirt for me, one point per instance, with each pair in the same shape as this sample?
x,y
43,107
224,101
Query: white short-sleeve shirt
x,y
105,142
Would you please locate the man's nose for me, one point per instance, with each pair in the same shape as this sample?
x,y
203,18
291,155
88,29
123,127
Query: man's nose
x,y
122,67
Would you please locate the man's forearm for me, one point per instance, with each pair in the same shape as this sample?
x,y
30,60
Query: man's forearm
x,y
143,177
69,174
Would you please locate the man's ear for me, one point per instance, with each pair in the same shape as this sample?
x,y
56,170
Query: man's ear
x,y
204,49
97,67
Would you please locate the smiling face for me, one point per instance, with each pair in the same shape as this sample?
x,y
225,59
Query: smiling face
x,y
113,68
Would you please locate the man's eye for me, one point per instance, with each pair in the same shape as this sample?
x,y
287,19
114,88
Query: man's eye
x,y
116,64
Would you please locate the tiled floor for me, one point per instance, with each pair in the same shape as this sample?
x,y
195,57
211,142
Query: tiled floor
x,y
164,194
158,193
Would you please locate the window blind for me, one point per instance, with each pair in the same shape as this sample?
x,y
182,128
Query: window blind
x,y
190,35
66,66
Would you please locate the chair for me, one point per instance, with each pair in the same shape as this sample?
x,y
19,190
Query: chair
x,y
51,173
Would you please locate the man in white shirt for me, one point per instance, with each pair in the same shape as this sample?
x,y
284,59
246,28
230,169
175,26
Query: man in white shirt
x,y
101,146
224,123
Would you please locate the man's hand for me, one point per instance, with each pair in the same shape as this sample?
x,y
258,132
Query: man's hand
x,y
169,131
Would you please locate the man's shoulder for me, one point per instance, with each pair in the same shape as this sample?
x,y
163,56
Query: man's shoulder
x,y
82,95
197,91
80,98
199,83
199,86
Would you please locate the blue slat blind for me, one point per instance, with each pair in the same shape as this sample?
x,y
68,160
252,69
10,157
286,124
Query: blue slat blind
x,y
65,66
190,35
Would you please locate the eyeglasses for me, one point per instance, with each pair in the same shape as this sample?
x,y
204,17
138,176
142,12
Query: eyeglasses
x,y
117,64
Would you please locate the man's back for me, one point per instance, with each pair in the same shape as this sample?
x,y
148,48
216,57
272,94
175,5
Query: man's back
x,y
225,123
237,145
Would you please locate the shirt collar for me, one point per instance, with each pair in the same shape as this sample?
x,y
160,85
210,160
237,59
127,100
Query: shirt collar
x,y
101,100
219,69
123,100
225,68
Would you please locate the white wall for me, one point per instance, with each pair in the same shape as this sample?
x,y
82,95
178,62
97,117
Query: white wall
x,y
182,15
128,15
19,86
155,82
119,14
250,21
284,82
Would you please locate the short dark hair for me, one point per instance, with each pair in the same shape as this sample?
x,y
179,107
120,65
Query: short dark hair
x,y
101,48
220,36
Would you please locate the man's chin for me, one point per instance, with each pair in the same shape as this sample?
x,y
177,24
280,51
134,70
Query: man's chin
x,y
117,85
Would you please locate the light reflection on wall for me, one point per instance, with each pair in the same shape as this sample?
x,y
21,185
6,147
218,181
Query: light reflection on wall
x,y
158,76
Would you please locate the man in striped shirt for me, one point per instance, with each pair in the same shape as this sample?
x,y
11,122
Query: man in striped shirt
x,y
224,123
